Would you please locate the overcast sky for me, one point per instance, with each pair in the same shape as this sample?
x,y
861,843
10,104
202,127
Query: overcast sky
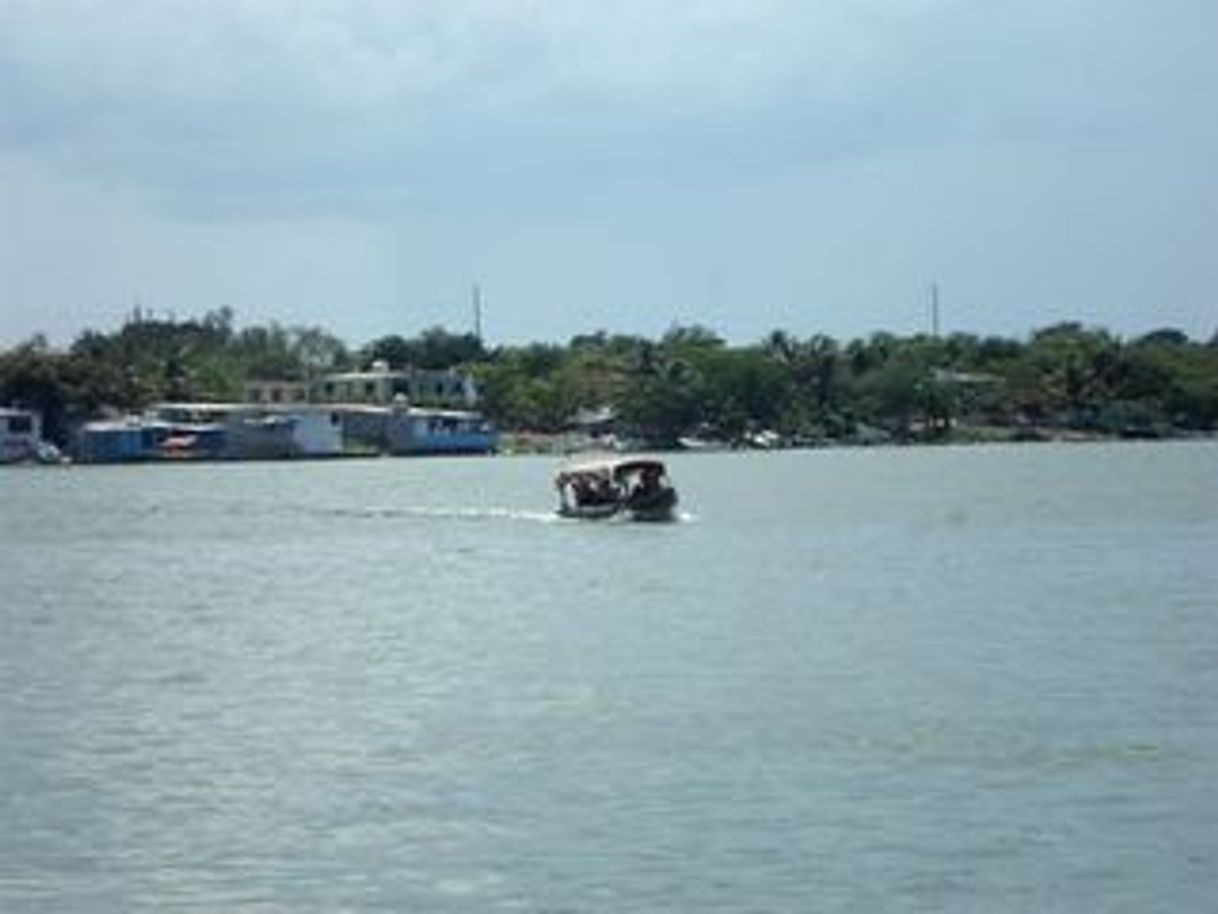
x,y
744,164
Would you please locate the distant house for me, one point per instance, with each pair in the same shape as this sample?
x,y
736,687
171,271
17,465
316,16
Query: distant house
x,y
413,411
213,431
272,392
251,431
975,378
382,387
595,421
20,435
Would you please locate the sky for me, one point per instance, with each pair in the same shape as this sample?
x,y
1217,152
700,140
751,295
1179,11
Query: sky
x,y
627,165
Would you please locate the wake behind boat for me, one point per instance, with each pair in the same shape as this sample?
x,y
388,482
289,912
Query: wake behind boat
x,y
635,488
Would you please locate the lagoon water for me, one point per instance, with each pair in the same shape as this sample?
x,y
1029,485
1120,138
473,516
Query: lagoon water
x,y
939,679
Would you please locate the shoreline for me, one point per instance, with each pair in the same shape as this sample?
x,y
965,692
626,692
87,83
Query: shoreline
x,y
560,443
545,444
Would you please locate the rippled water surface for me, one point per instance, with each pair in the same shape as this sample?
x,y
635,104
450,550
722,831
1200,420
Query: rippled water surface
x,y
859,680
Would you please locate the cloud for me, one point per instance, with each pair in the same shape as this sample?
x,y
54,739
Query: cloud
x,y
368,54
234,94
279,107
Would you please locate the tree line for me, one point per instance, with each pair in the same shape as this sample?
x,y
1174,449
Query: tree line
x,y
688,383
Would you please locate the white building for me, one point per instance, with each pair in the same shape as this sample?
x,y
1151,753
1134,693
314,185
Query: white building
x,y
276,392
382,387
263,430
316,432
20,435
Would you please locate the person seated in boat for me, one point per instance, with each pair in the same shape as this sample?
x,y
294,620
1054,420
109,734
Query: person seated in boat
x,y
589,490
581,489
604,491
648,483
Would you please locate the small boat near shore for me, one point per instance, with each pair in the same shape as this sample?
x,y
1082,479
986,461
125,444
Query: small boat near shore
x,y
634,488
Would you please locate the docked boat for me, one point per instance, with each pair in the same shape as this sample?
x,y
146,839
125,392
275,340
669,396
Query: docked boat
x,y
635,488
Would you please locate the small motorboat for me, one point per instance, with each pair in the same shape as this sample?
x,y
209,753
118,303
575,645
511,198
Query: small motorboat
x,y
635,488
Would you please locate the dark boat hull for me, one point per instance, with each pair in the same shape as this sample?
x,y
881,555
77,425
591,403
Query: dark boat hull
x,y
651,506
660,505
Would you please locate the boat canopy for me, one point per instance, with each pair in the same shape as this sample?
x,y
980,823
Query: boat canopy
x,y
618,468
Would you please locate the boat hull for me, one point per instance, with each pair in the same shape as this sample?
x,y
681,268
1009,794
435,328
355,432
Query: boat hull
x,y
590,512
660,505
653,507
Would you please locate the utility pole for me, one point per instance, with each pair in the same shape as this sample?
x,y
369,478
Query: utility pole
x,y
477,301
934,310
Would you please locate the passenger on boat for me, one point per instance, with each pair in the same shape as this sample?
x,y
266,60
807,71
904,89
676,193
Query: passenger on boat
x,y
595,491
649,481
